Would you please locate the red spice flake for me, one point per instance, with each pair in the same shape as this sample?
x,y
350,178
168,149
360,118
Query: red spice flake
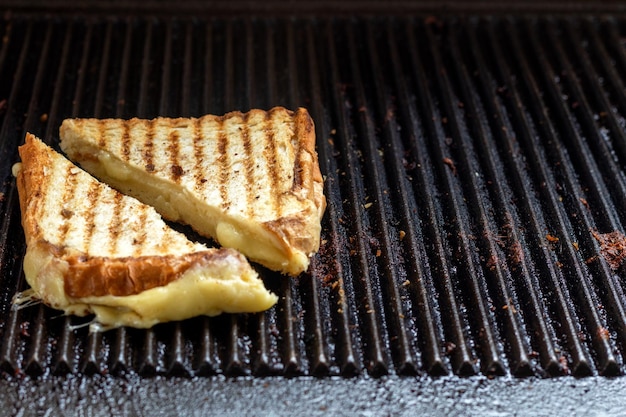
x,y
612,247
450,163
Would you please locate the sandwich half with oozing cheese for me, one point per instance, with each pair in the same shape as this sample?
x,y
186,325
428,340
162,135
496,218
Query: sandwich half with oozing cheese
x,y
91,249
251,181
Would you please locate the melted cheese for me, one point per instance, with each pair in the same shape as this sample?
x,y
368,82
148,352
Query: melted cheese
x,y
196,293
199,291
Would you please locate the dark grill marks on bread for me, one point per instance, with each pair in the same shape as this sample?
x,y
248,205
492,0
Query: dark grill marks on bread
x,y
198,150
116,221
148,146
297,173
68,195
222,160
125,141
102,133
93,196
176,170
249,164
140,238
270,152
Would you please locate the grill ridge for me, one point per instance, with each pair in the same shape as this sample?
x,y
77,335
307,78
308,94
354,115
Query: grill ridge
x,y
492,226
508,219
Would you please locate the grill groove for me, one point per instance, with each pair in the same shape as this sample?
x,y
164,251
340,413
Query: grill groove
x,y
468,163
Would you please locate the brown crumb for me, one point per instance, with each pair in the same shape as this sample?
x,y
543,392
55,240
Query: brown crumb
x,y
603,333
584,201
516,253
449,347
402,234
564,365
612,247
450,163
43,118
575,245
552,239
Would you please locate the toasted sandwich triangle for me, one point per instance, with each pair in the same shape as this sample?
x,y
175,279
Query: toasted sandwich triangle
x,y
91,249
251,181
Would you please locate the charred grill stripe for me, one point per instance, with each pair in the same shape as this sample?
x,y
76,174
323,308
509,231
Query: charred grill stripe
x,y
93,196
68,195
271,156
139,240
176,170
222,160
102,132
125,141
249,164
148,146
297,163
116,221
198,150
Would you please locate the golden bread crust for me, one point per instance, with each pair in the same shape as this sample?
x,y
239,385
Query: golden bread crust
x,y
96,276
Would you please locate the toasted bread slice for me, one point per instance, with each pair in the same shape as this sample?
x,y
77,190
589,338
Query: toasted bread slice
x,y
91,249
249,180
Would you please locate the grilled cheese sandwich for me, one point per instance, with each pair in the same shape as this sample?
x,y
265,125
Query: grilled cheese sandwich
x,y
251,181
91,249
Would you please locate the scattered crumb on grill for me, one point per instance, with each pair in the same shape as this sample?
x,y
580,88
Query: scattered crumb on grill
x,y
564,364
449,347
450,163
603,333
584,201
551,238
612,247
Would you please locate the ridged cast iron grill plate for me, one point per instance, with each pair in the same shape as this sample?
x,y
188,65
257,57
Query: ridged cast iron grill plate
x,y
474,167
